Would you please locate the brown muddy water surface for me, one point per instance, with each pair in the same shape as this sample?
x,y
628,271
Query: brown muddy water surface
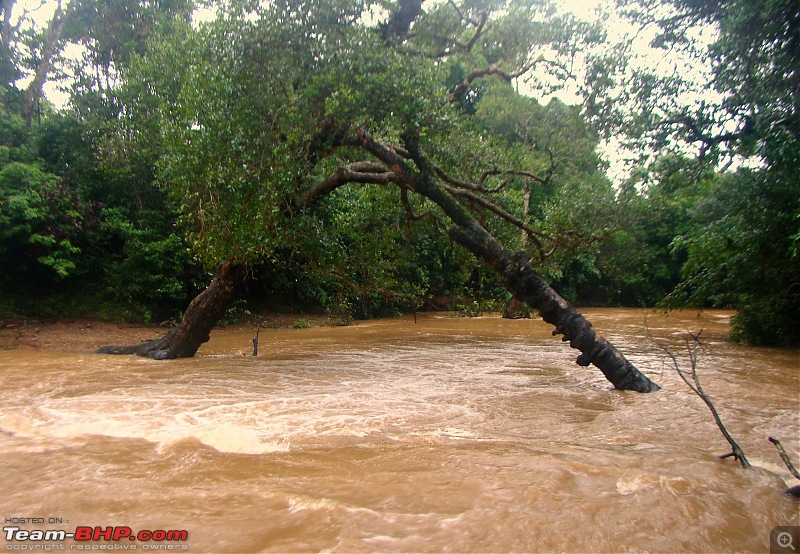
x,y
461,435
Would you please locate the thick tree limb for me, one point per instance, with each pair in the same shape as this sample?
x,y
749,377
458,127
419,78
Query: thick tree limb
x,y
525,284
357,172
519,276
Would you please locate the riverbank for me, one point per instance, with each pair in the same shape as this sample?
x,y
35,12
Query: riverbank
x,y
86,334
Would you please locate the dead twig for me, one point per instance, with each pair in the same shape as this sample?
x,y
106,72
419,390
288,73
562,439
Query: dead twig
x,y
785,457
691,379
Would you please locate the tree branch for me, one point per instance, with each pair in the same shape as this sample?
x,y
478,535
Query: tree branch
x,y
467,46
410,215
468,185
491,70
532,176
533,234
367,172
692,345
710,141
465,18
785,457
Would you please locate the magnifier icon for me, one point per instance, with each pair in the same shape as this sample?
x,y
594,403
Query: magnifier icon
x,y
784,540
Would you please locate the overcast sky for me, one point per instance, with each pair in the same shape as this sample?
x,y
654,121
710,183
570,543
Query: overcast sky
x,y
42,12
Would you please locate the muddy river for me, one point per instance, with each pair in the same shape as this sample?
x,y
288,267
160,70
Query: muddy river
x,y
458,435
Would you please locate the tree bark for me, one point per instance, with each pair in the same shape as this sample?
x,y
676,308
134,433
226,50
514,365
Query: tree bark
x,y
50,48
525,284
518,275
516,309
200,317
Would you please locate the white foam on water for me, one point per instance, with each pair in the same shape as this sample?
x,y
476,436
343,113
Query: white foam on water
x,y
298,504
631,484
277,406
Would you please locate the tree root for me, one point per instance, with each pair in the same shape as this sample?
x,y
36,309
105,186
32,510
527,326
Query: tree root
x,y
156,349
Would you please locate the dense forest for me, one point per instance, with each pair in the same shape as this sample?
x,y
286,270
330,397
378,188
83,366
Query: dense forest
x,y
189,143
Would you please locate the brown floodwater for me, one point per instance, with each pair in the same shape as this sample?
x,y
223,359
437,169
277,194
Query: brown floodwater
x,y
458,435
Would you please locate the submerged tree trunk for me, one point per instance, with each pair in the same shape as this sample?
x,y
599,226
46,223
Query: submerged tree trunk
x,y
516,309
200,317
518,275
525,284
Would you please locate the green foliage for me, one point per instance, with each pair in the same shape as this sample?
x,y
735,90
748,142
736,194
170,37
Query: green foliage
x,y
741,236
151,275
14,138
188,145
39,220
302,323
82,225
641,263
739,254
358,255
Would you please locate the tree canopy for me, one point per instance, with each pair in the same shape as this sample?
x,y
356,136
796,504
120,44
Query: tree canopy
x,y
741,248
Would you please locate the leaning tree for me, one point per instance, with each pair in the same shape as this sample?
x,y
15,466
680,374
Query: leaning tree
x,y
270,109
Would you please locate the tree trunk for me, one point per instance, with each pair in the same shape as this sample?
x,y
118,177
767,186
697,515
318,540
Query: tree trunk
x,y
50,48
6,6
524,283
518,275
200,317
516,309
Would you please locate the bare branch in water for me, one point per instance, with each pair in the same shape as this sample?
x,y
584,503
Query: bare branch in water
x,y
785,457
690,377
